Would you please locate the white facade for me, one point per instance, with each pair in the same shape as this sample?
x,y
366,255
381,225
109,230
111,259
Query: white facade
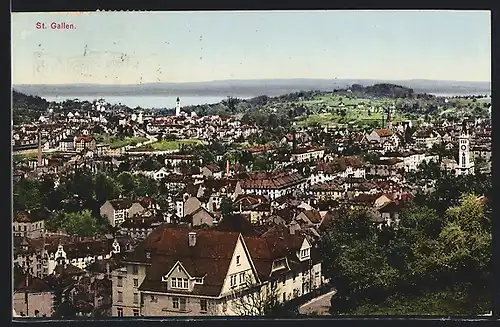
x,y
306,156
178,107
465,164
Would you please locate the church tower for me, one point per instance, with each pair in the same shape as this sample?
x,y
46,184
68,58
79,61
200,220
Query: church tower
x,y
389,117
465,165
178,107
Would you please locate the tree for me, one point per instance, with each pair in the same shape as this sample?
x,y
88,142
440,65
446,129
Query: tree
x,y
465,240
254,298
261,163
207,157
246,158
146,186
127,183
75,223
105,188
26,194
226,207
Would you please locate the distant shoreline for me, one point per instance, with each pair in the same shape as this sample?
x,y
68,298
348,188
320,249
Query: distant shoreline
x,y
245,88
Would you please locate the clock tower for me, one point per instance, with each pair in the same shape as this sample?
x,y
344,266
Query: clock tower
x,y
465,165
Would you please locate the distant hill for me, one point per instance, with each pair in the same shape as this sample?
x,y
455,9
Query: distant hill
x,y
248,88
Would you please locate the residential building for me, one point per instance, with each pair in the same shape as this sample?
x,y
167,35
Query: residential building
x,y
182,272
33,298
118,210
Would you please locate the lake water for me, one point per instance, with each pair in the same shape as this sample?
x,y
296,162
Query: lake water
x,y
449,95
145,101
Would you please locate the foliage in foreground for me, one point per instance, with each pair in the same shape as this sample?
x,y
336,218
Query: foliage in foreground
x,y
418,268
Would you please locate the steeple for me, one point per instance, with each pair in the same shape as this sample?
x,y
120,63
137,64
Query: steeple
x,y
464,130
465,164
178,107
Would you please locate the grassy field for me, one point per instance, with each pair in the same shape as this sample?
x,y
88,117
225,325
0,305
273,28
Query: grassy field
x,y
326,110
19,157
116,142
173,145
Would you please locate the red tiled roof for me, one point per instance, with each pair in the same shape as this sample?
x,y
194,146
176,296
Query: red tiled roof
x,y
85,138
313,215
383,132
271,180
210,257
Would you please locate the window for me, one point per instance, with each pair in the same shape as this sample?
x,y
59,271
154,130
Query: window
x,y
203,305
175,303
284,297
148,255
294,276
238,260
284,280
120,296
182,283
120,281
136,298
182,303
233,280
119,311
136,312
153,299
135,270
136,282
198,281
242,277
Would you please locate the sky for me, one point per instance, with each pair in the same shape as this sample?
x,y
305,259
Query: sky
x,y
175,47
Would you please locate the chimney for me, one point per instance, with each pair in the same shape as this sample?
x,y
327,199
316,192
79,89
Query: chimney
x,y
192,239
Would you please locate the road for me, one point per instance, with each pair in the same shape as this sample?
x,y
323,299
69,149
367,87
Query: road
x,y
319,305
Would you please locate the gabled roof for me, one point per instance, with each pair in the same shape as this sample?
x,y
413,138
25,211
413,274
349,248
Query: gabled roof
x,y
313,215
213,168
120,204
210,257
31,216
32,284
275,244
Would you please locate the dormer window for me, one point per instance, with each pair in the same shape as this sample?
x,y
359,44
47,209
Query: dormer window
x,y
279,264
304,254
198,280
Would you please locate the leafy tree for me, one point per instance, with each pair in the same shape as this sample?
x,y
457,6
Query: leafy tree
x,y
75,223
261,163
127,183
105,188
246,158
26,194
145,186
226,207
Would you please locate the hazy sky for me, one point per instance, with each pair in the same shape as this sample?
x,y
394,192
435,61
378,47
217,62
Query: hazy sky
x,y
130,48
